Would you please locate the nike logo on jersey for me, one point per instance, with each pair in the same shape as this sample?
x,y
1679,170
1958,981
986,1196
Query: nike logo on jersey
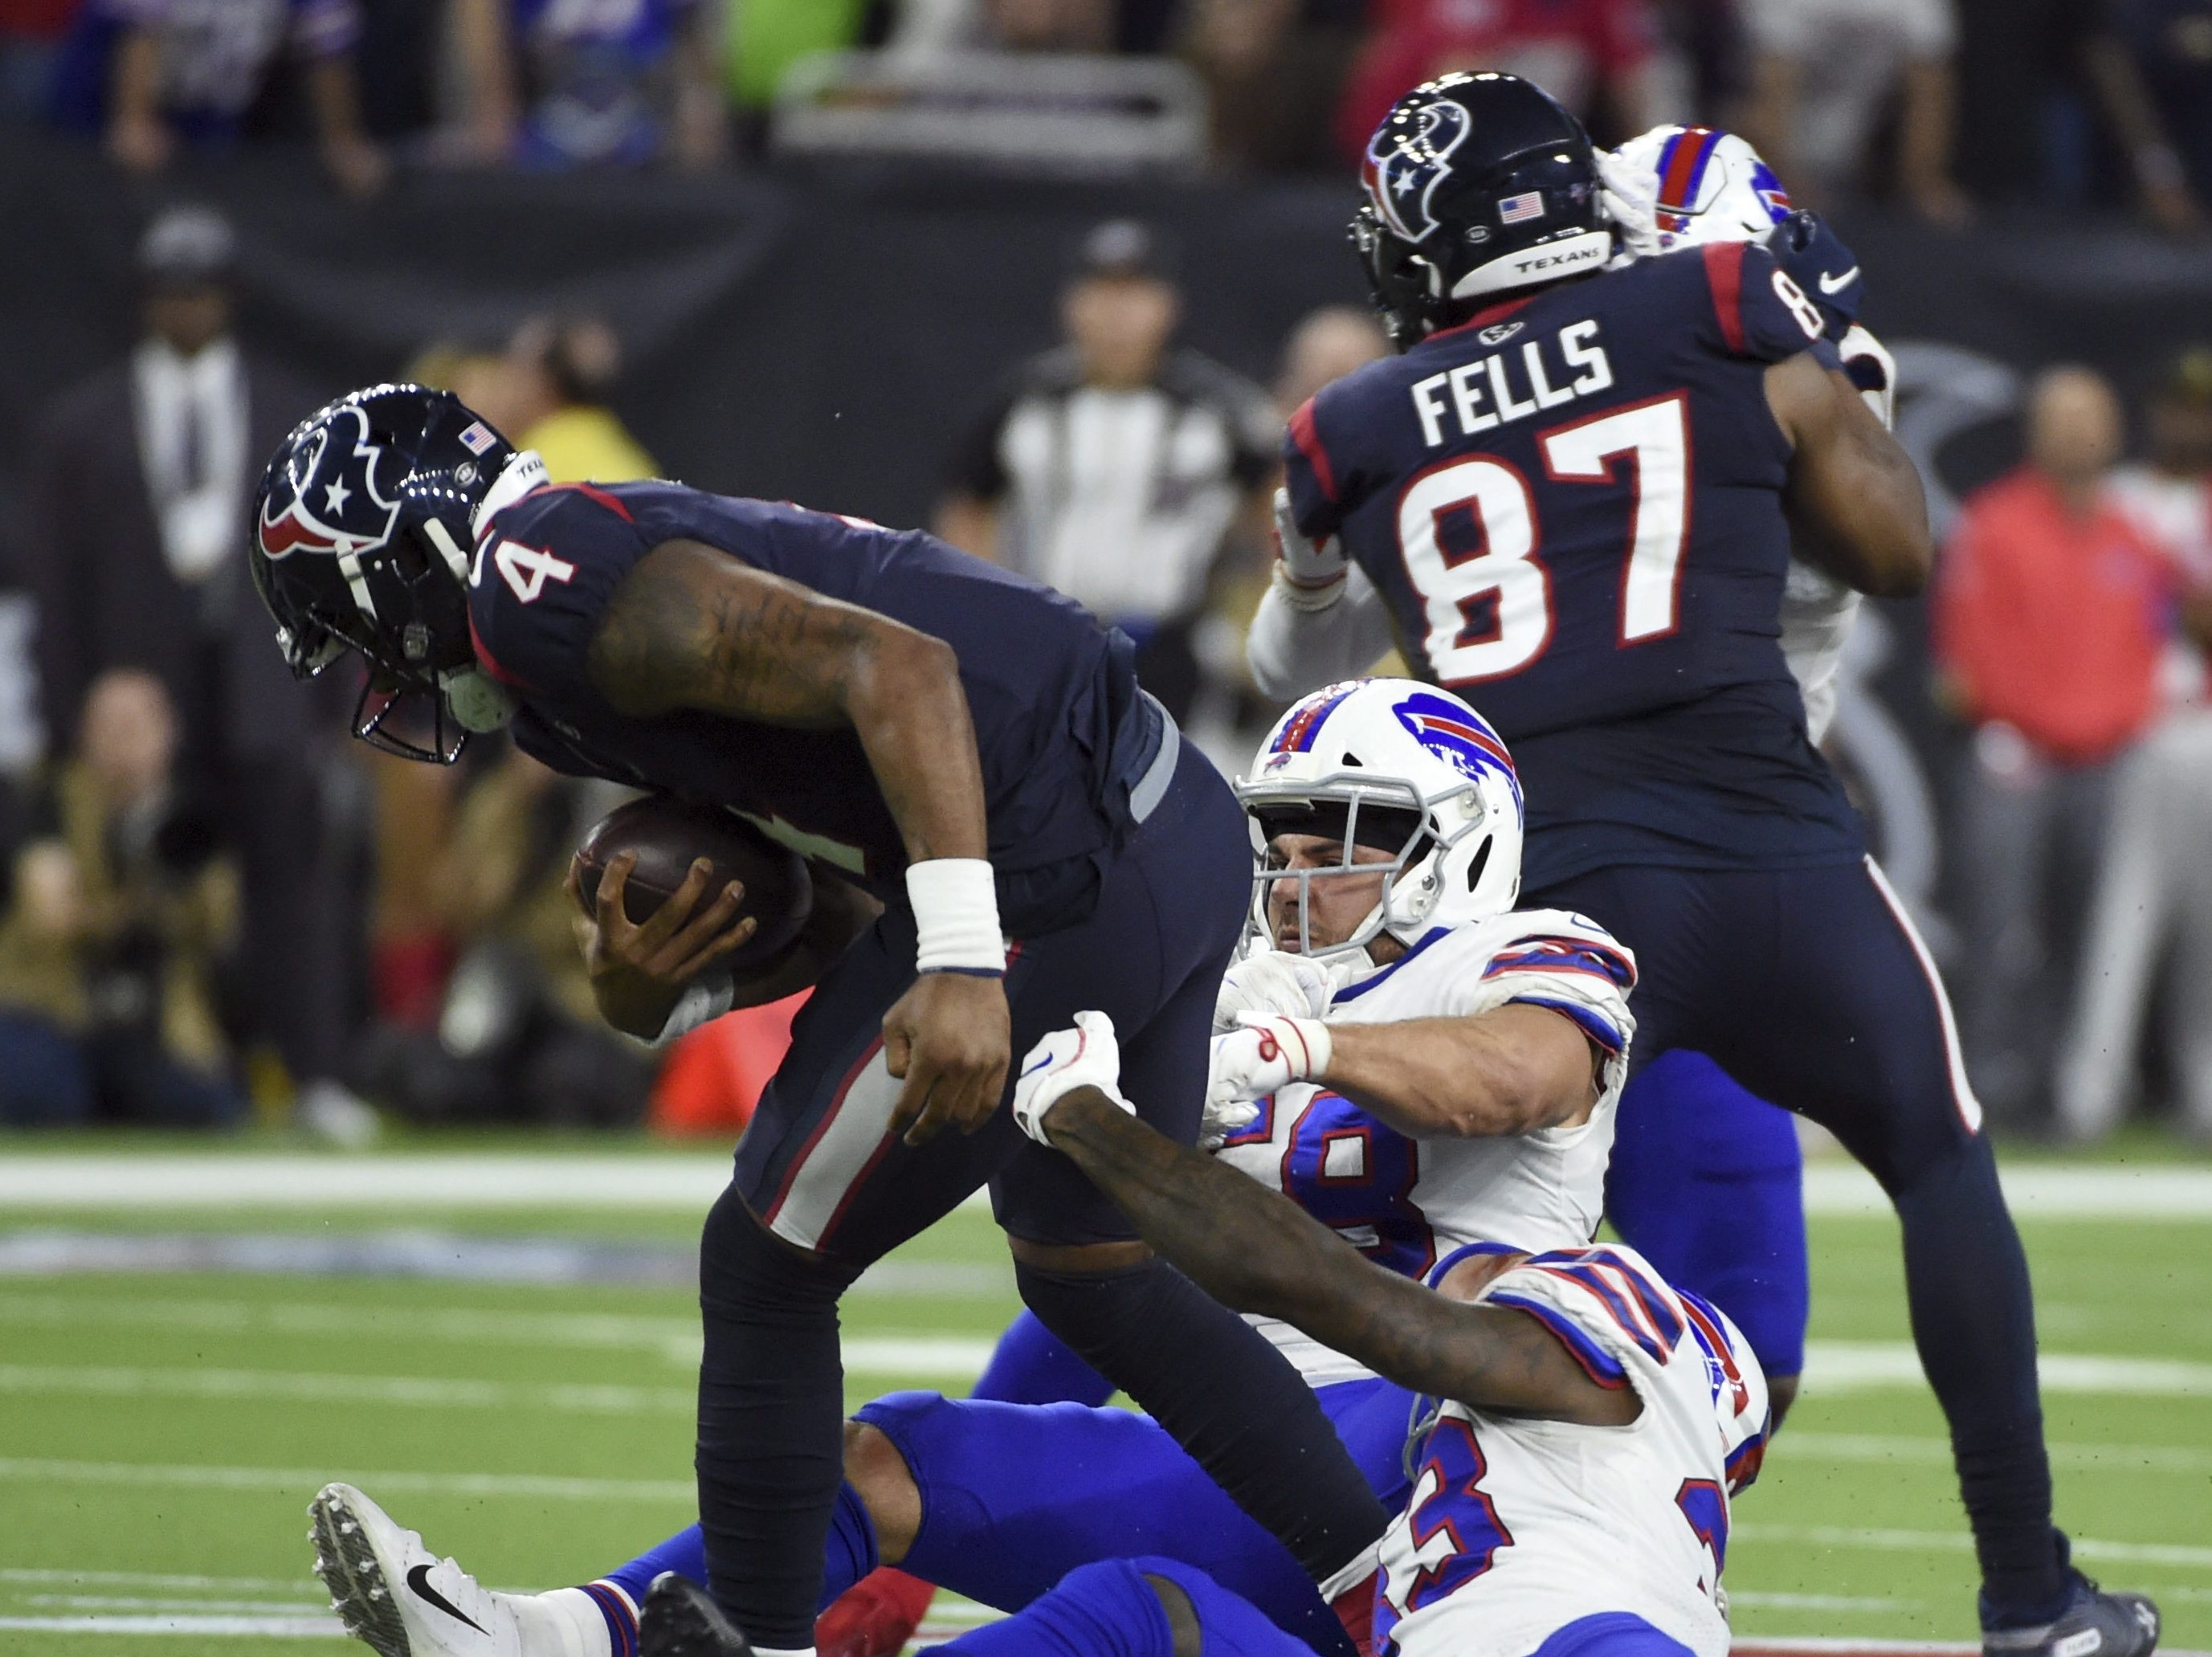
x,y
1492,390
418,1580
1834,285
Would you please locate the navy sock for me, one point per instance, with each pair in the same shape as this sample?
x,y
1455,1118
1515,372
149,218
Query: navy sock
x,y
1032,1365
771,1424
1233,1403
1973,1317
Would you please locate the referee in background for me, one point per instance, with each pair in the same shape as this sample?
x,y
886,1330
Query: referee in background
x,y
1117,468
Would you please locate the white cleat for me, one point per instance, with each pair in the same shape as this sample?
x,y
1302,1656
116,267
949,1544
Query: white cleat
x,y
402,1600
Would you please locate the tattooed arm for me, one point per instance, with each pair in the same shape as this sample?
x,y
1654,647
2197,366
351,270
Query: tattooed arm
x,y
691,627
1255,1250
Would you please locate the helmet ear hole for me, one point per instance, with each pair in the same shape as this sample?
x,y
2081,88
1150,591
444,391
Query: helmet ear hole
x,y
1480,862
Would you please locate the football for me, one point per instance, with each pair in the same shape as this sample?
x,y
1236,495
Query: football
x,y
668,835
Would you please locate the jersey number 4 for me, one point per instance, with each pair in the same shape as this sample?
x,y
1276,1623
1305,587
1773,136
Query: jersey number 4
x,y
1489,612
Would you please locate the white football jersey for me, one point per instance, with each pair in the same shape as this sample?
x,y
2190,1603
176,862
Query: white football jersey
x,y
1406,1203
1817,610
1517,1528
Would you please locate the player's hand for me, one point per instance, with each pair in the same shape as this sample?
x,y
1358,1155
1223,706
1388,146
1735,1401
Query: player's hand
x,y
1815,259
1277,981
1267,1051
949,1037
640,969
1313,575
1087,1056
1630,195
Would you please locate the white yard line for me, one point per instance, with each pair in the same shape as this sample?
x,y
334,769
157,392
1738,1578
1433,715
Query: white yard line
x,y
688,1183
1795,1443
325,1627
2092,1549
948,1357
304,1482
137,1578
1846,1366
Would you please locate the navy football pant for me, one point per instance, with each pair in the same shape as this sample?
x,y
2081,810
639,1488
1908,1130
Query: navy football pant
x,y
1810,988
822,1187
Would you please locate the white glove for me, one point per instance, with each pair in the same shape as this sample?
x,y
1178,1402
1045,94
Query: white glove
x,y
1085,1057
1311,577
1276,980
1631,194
1266,1052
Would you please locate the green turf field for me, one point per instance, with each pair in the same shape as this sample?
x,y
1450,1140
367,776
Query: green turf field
x,y
160,1434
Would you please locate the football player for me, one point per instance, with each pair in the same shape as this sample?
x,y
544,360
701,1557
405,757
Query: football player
x,y
1419,1065
1574,497
1535,1527
964,745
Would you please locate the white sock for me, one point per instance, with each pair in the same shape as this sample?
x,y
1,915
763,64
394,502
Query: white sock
x,y
783,1651
566,1623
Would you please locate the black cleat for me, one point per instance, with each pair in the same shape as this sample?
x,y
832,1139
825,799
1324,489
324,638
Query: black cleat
x,y
2097,1624
679,1618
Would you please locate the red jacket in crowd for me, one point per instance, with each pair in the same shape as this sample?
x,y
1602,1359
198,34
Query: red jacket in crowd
x,y
2053,623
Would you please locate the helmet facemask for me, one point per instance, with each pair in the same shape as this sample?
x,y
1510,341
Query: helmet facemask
x,y
1417,832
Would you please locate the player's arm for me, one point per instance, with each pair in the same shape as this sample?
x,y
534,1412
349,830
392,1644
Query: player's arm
x,y
1512,1070
691,628
1854,497
1256,1251
1294,648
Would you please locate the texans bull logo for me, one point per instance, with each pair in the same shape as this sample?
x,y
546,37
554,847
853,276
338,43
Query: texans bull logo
x,y
1407,158
334,505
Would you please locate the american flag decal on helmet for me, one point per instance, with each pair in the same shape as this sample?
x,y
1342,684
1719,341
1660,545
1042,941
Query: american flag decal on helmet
x,y
478,438
1519,209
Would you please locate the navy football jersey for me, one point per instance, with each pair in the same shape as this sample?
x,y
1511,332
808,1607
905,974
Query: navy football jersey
x,y
1573,505
1057,722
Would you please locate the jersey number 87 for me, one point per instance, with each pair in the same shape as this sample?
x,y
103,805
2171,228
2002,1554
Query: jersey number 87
x,y
1506,577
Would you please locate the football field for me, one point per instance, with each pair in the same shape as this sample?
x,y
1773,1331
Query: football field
x,y
500,1349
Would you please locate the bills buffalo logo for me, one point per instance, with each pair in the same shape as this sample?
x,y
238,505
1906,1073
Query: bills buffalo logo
x,y
1457,737
1408,156
329,501
1769,190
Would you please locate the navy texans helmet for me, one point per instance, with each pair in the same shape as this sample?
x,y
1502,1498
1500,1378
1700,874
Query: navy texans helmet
x,y
1476,184
362,528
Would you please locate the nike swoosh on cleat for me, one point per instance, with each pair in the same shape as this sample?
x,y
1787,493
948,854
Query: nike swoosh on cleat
x,y
418,1579
1833,285
1041,1064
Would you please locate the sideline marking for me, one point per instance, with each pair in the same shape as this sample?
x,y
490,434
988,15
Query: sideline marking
x,y
688,1183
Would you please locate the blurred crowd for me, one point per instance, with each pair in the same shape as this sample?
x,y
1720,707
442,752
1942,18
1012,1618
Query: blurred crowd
x,y
216,910
1939,104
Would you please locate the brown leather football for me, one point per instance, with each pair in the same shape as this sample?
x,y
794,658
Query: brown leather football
x,y
667,834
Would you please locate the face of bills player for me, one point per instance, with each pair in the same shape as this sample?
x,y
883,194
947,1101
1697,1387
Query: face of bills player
x,y
1338,903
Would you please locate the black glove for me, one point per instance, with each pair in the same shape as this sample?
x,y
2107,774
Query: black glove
x,y
1804,246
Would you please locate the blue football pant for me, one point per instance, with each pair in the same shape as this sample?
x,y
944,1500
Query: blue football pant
x,y
1014,1496
1707,1181
1115,1609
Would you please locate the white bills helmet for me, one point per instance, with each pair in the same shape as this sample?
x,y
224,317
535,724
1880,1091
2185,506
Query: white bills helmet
x,y
1707,186
1400,766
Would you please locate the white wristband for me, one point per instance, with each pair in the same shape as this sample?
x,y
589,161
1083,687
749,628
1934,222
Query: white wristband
x,y
705,999
955,916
